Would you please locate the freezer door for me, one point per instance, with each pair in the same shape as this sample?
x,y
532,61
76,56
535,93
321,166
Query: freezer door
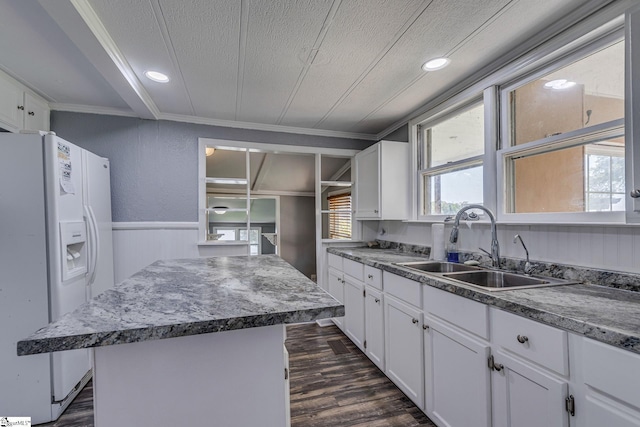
x,y
97,199
65,213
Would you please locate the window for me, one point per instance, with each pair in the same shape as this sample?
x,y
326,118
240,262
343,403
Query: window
x,y
340,216
450,161
565,145
240,234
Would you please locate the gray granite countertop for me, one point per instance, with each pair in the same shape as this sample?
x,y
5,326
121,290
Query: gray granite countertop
x,y
603,313
187,297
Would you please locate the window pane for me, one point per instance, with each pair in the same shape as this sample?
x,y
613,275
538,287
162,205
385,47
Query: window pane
x,y
455,139
224,234
585,93
253,250
448,192
575,179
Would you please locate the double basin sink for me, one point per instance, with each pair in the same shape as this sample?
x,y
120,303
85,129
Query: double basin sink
x,y
486,279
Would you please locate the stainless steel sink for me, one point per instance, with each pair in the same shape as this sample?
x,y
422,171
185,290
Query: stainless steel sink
x,y
438,266
490,280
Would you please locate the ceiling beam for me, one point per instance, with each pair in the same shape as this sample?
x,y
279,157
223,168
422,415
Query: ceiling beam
x,y
81,24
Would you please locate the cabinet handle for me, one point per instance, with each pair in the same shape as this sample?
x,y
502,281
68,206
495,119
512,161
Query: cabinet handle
x,y
635,193
370,276
31,113
414,321
495,366
425,327
377,300
522,339
21,107
375,211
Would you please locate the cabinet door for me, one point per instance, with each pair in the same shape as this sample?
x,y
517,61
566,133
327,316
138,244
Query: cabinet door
x,y
368,183
403,348
374,327
336,290
456,374
524,396
11,104
354,311
36,114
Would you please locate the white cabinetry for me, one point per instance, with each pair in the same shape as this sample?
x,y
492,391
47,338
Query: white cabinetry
x,y
20,109
335,284
403,336
382,181
525,391
607,390
374,326
354,311
455,363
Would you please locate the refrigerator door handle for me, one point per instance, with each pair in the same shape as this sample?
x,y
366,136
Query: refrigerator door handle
x,y
91,244
96,253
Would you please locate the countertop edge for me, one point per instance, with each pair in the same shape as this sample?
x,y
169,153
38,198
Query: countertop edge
x,y
106,338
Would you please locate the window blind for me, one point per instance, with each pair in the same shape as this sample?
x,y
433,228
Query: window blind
x,y
340,216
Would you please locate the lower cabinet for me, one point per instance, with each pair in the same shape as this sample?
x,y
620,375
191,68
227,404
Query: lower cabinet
x,y
336,290
457,378
524,396
374,326
403,348
354,311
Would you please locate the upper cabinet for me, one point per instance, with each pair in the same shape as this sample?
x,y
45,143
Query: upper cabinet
x,y
382,181
19,108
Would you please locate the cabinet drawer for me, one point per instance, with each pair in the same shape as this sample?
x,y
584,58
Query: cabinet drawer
x,y
353,269
373,277
612,370
541,344
400,287
462,312
335,261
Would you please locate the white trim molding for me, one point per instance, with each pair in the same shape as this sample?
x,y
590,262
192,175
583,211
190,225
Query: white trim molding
x,y
153,225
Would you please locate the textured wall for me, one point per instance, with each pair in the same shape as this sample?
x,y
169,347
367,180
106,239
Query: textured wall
x,y
154,170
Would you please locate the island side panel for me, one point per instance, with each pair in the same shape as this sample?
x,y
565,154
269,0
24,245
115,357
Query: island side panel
x,y
232,378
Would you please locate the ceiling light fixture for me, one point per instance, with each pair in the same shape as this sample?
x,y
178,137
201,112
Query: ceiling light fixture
x,y
220,210
559,84
435,64
157,76
209,151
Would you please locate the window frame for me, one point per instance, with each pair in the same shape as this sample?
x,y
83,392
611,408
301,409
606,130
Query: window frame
x,y
573,138
432,118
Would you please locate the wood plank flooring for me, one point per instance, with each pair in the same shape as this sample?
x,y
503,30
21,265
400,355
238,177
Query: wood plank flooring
x,y
333,384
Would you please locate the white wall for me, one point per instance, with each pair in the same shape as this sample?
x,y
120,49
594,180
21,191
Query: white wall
x,y
594,246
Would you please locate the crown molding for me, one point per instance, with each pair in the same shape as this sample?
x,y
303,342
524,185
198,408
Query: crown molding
x,y
106,111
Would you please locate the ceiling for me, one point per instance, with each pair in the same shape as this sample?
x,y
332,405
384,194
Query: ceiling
x,y
322,67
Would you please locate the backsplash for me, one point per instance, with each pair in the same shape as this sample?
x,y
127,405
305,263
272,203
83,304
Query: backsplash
x,y
594,276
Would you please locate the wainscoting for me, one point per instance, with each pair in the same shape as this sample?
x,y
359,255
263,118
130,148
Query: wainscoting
x,y
595,246
138,244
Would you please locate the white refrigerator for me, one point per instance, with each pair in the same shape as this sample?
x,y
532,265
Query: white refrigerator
x,y
55,253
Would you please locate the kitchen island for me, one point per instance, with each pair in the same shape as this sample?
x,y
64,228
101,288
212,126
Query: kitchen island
x,y
200,341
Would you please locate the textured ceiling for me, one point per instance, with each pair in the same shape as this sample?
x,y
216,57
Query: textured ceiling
x,y
343,67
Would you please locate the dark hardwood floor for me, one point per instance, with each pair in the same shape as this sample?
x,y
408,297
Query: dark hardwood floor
x,y
333,384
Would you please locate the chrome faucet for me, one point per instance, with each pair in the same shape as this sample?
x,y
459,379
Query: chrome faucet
x,y
495,246
527,265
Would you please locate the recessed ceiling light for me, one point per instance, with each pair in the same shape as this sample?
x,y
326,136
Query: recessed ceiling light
x,y
435,64
559,84
157,76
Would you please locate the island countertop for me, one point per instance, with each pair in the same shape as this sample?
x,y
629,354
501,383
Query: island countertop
x,y
173,298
